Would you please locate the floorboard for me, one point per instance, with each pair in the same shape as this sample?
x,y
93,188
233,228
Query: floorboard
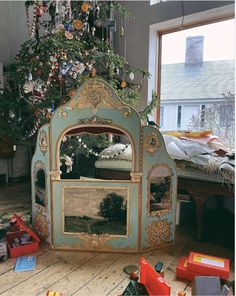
x,y
85,273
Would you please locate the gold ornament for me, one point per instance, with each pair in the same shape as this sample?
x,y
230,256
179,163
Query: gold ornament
x,y
85,7
123,84
78,24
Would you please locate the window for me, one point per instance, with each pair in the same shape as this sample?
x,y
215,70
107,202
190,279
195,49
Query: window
x,y
179,117
196,73
161,116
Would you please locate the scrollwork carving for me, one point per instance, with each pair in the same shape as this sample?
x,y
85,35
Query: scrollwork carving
x,y
151,143
43,142
95,120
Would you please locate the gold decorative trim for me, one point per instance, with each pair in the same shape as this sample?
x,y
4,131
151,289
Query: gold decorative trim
x,y
159,213
151,143
95,120
96,240
43,142
41,223
55,175
158,233
63,114
126,112
96,95
136,177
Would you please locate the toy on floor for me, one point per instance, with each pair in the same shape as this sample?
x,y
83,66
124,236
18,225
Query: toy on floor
x,y
201,264
206,285
150,283
53,293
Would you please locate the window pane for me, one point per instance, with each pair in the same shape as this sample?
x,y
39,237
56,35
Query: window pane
x,y
197,78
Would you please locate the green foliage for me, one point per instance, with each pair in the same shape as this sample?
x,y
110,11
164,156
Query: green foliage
x,y
113,208
154,103
58,58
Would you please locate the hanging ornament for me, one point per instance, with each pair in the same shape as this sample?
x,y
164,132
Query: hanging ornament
x,y
78,24
68,27
98,23
122,31
80,67
39,11
85,7
123,84
93,72
37,113
69,35
93,29
28,87
116,71
30,77
38,86
131,76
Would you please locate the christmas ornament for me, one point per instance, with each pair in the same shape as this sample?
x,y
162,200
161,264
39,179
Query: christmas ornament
x,y
93,72
123,84
93,29
131,76
122,32
98,23
39,11
85,7
69,35
116,70
68,27
78,24
28,87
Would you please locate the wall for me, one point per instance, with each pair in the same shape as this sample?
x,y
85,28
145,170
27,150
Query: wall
x,y
12,29
144,15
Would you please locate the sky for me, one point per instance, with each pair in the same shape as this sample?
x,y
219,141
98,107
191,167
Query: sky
x,y
219,42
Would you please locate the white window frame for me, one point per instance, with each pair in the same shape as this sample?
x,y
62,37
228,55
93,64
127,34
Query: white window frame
x,y
196,19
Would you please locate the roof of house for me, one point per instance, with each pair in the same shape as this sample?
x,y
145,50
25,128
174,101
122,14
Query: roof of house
x,y
206,81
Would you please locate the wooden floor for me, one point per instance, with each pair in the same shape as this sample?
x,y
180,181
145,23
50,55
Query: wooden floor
x,y
84,273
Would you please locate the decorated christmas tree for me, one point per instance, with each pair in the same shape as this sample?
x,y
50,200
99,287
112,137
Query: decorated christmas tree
x,y
69,42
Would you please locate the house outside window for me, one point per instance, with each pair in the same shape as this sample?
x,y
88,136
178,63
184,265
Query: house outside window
x,y
196,73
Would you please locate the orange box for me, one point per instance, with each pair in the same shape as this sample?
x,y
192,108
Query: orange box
x,y
182,270
21,228
209,265
152,280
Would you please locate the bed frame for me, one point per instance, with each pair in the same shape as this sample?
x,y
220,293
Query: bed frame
x,y
97,106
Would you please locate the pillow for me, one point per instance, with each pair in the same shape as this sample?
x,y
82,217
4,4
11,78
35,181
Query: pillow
x,y
112,150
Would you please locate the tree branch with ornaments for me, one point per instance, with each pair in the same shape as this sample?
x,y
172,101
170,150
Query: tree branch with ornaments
x,y
69,42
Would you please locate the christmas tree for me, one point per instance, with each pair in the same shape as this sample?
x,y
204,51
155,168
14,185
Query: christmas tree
x,y
69,42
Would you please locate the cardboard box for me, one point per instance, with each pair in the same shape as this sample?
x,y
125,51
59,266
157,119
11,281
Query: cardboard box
x,y
20,228
209,265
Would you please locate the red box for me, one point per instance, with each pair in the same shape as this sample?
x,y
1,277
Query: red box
x,y
152,280
21,228
182,270
209,265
